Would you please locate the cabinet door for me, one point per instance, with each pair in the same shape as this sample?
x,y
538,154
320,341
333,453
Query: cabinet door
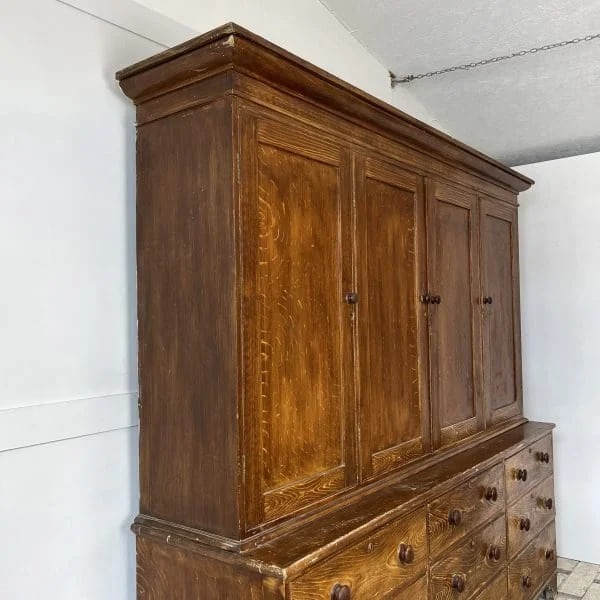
x,y
394,416
455,339
500,308
297,265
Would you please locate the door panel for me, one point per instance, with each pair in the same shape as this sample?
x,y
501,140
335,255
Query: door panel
x,y
394,416
454,321
298,349
501,328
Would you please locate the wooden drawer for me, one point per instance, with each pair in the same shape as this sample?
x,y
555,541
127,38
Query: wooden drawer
x,y
371,568
528,467
476,501
470,564
529,515
497,590
529,571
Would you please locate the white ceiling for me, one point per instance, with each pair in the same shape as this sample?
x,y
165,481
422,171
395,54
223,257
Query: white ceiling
x,y
540,107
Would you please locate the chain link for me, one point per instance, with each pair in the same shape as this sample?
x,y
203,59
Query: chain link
x,y
496,59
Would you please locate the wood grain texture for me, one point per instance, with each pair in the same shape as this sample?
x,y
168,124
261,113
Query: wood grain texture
x,y
475,509
533,563
189,462
496,590
394,415
528,459
503,396
298,350
372,568
453,252
532,508
471,561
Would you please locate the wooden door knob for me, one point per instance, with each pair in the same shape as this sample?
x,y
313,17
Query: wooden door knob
x,y
525,524
547,503
487,299
495,553
521,474
455,517
351,298
406,554
341,592
526,581
458,583
491,494
549,554
544,457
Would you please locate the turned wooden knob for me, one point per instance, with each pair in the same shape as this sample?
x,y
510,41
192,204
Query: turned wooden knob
x,y
495,553
487,299
547,503
341,592
544,457
458,583
351,298
526,581
491,494
406,554
521,474
525,524
455,517
549,554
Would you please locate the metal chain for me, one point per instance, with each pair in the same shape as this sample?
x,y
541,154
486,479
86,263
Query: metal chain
x,y
487,61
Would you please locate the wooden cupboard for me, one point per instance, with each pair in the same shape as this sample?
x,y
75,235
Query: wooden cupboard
x,y
329,340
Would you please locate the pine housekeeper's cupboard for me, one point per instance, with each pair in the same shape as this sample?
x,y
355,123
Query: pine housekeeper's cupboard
x,y
330,372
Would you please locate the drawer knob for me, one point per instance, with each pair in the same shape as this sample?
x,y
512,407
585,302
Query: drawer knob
x,y
351,298
406,554
341,592
495,553
526,581
547,503
491,494
544,457
525,524
458,583
549,554
487,299
521,474
455,517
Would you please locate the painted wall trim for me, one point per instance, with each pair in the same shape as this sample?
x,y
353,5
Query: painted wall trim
x,y
138,19
43,423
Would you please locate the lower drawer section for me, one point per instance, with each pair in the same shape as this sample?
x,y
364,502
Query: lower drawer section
x,y
534,566
469,566
378,567
497,590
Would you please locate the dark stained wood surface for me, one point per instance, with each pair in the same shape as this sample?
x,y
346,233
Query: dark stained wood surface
x,y
475,509
501,317
187,318
529,459
394,415
471,561
531,511
372,568
453,252
533,563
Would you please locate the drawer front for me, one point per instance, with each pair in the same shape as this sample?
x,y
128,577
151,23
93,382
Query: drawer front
x,y
373,568
473,502
529,571
527,468
470,565
529,515
497,590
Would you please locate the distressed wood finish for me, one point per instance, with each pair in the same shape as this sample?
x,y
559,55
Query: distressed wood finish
x,y
531,460
471,561
394,415
478,500
453,251
527,517
497,590
321,382
500,308
530,572
373,568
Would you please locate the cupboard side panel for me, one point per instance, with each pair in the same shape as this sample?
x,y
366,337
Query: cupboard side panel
x,y
187,320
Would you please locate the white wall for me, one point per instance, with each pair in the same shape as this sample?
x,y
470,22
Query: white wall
x,y
68,385
560,288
